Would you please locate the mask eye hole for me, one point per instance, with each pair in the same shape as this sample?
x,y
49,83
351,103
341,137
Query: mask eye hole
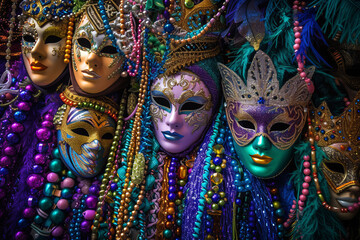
x,y
161,101
191,106
107,136
109,50
80,131
279,127
84,42
246,124
335,167
52,39
28,38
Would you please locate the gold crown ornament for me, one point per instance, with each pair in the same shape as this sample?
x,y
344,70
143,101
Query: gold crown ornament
x,y
262,85
92,12
44,11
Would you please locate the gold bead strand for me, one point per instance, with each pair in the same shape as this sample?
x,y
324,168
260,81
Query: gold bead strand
x,y
134,147
108,170
69,37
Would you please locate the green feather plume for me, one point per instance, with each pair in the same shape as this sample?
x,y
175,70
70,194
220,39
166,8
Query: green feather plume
x,y
340,15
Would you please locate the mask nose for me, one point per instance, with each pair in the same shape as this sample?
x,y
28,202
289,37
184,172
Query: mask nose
x,y
91,149
174,121
38,52
261,143
91,61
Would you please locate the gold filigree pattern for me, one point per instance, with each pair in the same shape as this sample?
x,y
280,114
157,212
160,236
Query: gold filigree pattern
x,y
157,114
339,138
263,85
197,119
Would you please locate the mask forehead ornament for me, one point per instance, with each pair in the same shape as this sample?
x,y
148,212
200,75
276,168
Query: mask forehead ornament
x,y
263,86
47,11
262,94
339,137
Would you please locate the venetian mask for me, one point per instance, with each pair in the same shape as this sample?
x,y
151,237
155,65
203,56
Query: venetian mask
x,y
339,138
265,121
43,50
84,138
97,64
181,110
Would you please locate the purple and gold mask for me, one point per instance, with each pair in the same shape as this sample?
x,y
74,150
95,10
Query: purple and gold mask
x,y
339,138
265,120
181,110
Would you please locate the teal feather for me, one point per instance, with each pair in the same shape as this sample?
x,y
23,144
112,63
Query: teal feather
x,y
339,15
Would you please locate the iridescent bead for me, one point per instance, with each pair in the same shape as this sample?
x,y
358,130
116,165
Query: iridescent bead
x,y
56,165
91,202
47,124
42,147
5,161
20,236
39,159
17,127
22,223
25,95
29,212
12,138
35,181
45,203
43,134
57,216
37,169
56,153
89,214
20,116
57,232
62,204
85,226
66,193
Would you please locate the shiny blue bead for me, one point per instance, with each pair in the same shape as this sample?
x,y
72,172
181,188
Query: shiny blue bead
x,y
25,95
168,27
111,36
172,189
20,116
4,171
108,31
220,141
240,188
233,163
215,198
208,224
217,161
238,201
12,138
172,196
5,122
279,212
22,223
103,13
37,169
172,175
280,227
113,186
169,217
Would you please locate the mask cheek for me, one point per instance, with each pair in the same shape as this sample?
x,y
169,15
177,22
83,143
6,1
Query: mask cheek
x,y
198,119
157,115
